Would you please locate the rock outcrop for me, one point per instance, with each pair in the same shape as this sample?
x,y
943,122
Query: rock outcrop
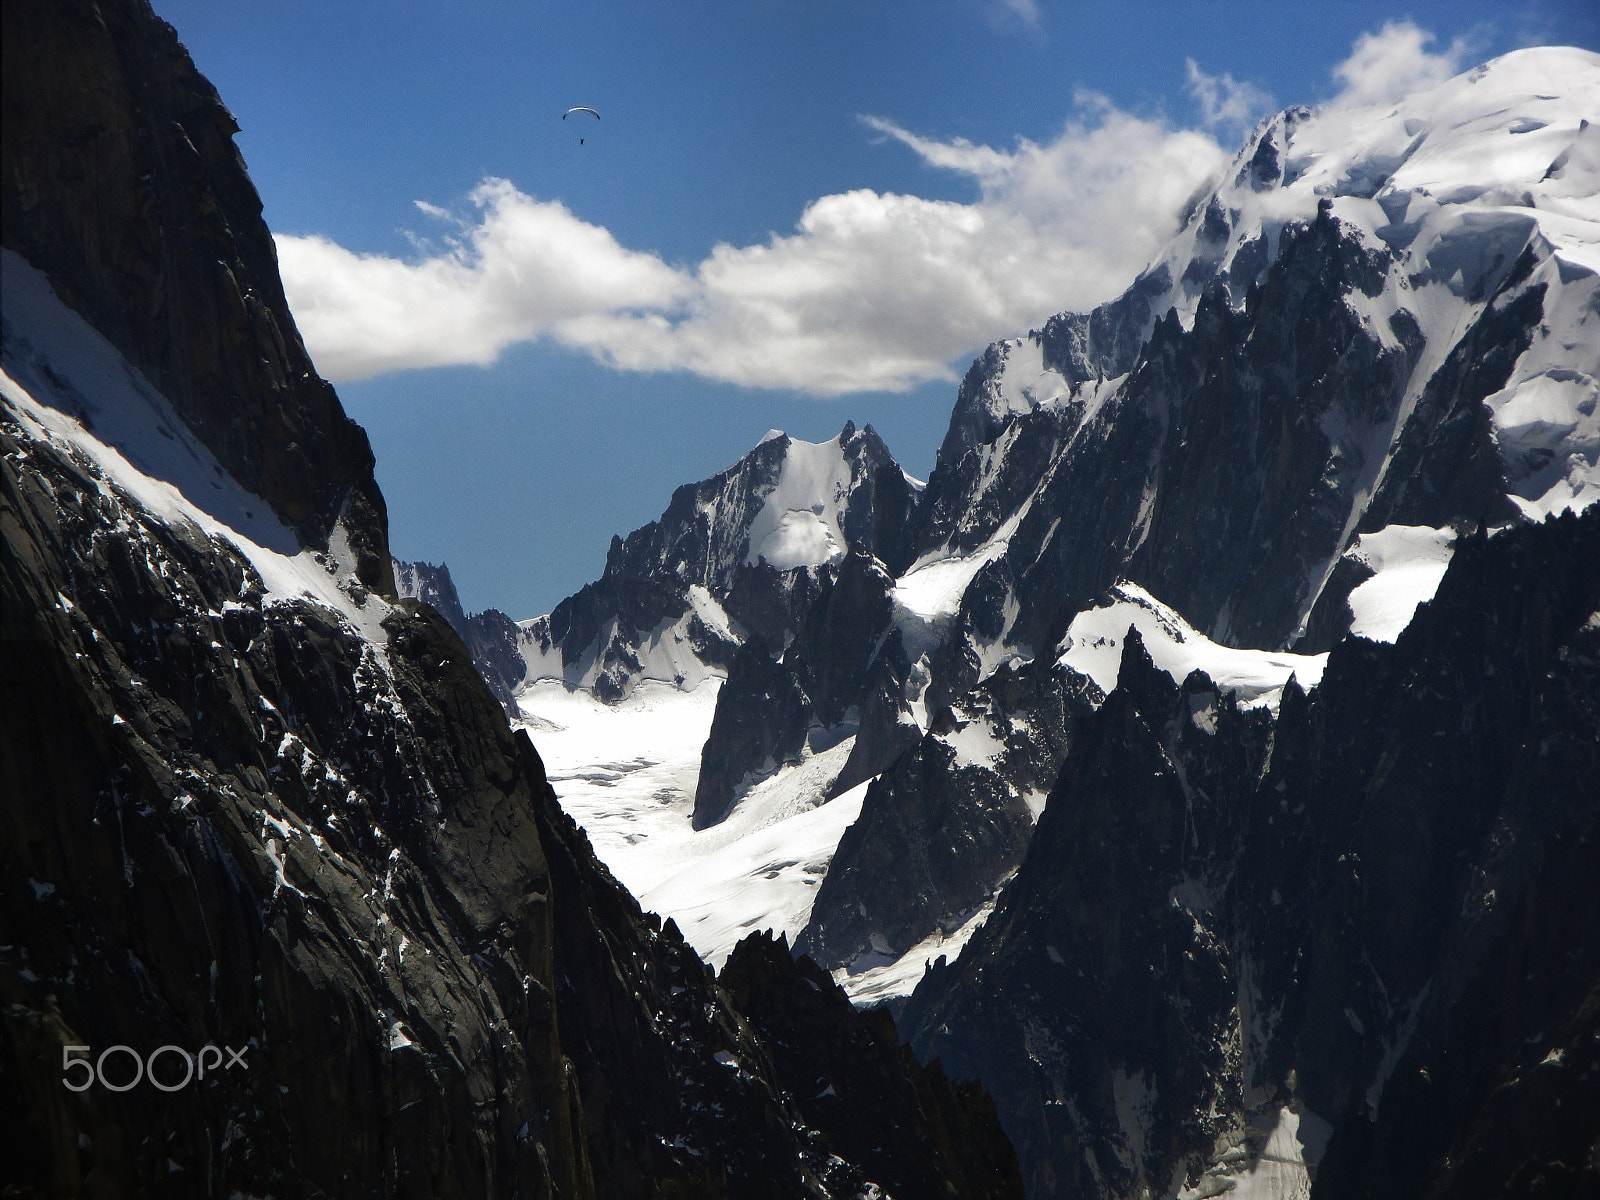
x,y
760,724
910,1128
772,707
948,819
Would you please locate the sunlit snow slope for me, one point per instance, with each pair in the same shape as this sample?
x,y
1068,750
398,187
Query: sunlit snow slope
x,y
66,384
1093,647
1454,182
627,771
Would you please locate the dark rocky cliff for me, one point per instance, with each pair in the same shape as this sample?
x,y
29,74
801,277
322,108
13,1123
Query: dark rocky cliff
x,y
299,829
917,1136
120,180
1319,912
492,638
243,826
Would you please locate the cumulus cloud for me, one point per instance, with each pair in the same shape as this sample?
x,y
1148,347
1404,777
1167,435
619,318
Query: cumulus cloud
x,y
1386,65
1225,103
522,267
871,291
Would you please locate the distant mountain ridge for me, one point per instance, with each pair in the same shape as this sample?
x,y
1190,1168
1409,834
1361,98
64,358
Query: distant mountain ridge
x,y
1373,342
491,637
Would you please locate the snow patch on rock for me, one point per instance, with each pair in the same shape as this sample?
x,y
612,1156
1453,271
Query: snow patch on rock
x,y
798,525
1024,382
1093,647
1407,562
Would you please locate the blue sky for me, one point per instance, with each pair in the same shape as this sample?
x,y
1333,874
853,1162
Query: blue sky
x,y
790,214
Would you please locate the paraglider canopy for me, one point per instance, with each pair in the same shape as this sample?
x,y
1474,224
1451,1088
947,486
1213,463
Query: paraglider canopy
x,y
580,108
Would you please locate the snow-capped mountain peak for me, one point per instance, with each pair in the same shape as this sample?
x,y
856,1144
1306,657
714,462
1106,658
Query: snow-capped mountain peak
x,y
1486,141
737,554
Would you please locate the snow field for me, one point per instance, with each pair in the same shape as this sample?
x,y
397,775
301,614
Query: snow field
x,y
627,774
794,527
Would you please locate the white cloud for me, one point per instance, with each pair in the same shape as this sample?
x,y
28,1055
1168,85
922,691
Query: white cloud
x,y
872,290
1223,102
1386,65
511,276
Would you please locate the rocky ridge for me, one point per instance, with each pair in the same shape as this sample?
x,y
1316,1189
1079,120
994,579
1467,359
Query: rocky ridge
x,y
1344,350
1219,921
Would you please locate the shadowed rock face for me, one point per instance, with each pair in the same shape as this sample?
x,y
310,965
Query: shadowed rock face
x,y
1316,910
911,1129
238,820
842,630
120,180
248,831
936,834
1089,934
760,723
966,501
932,839
1479,1107
492,638
1106,342
1209,478
840,653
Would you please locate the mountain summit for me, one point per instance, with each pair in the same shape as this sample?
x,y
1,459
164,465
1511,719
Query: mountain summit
x,y
734,555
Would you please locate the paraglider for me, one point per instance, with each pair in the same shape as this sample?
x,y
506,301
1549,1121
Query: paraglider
x,y
580,109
